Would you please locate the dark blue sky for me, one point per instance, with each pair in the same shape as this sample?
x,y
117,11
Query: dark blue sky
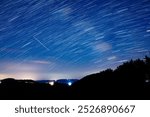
x,y
52,39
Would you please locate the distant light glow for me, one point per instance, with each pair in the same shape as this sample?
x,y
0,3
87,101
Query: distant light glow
x,y
69,83
51,83
147,81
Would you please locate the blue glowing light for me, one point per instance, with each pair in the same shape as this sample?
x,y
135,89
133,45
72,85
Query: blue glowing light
x,y
69,83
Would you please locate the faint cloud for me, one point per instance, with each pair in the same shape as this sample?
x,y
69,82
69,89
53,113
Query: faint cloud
x,y
35,69
111,58
41,62
85,27
102,47
122,61
98,61
148,30
9,50
65,11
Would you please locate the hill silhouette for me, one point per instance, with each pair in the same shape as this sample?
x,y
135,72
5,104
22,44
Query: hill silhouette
x,y
131,80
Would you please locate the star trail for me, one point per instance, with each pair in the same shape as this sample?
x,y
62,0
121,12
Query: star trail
x,y
54,39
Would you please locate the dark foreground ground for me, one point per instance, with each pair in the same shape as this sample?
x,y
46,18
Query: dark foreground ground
x,y
129,81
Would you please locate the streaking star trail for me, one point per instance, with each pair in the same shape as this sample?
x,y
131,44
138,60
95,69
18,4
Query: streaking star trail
x,y
40,43
66,39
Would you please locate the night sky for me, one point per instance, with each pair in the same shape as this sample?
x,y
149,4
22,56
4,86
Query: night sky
x,y
57,39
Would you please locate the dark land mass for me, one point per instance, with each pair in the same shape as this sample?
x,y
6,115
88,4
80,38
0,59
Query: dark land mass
x,y
131,80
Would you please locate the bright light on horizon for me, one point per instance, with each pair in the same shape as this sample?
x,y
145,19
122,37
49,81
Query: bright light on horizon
x,y
69,83
51,83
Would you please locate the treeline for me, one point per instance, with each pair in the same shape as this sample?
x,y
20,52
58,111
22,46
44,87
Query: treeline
x,y
131,80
